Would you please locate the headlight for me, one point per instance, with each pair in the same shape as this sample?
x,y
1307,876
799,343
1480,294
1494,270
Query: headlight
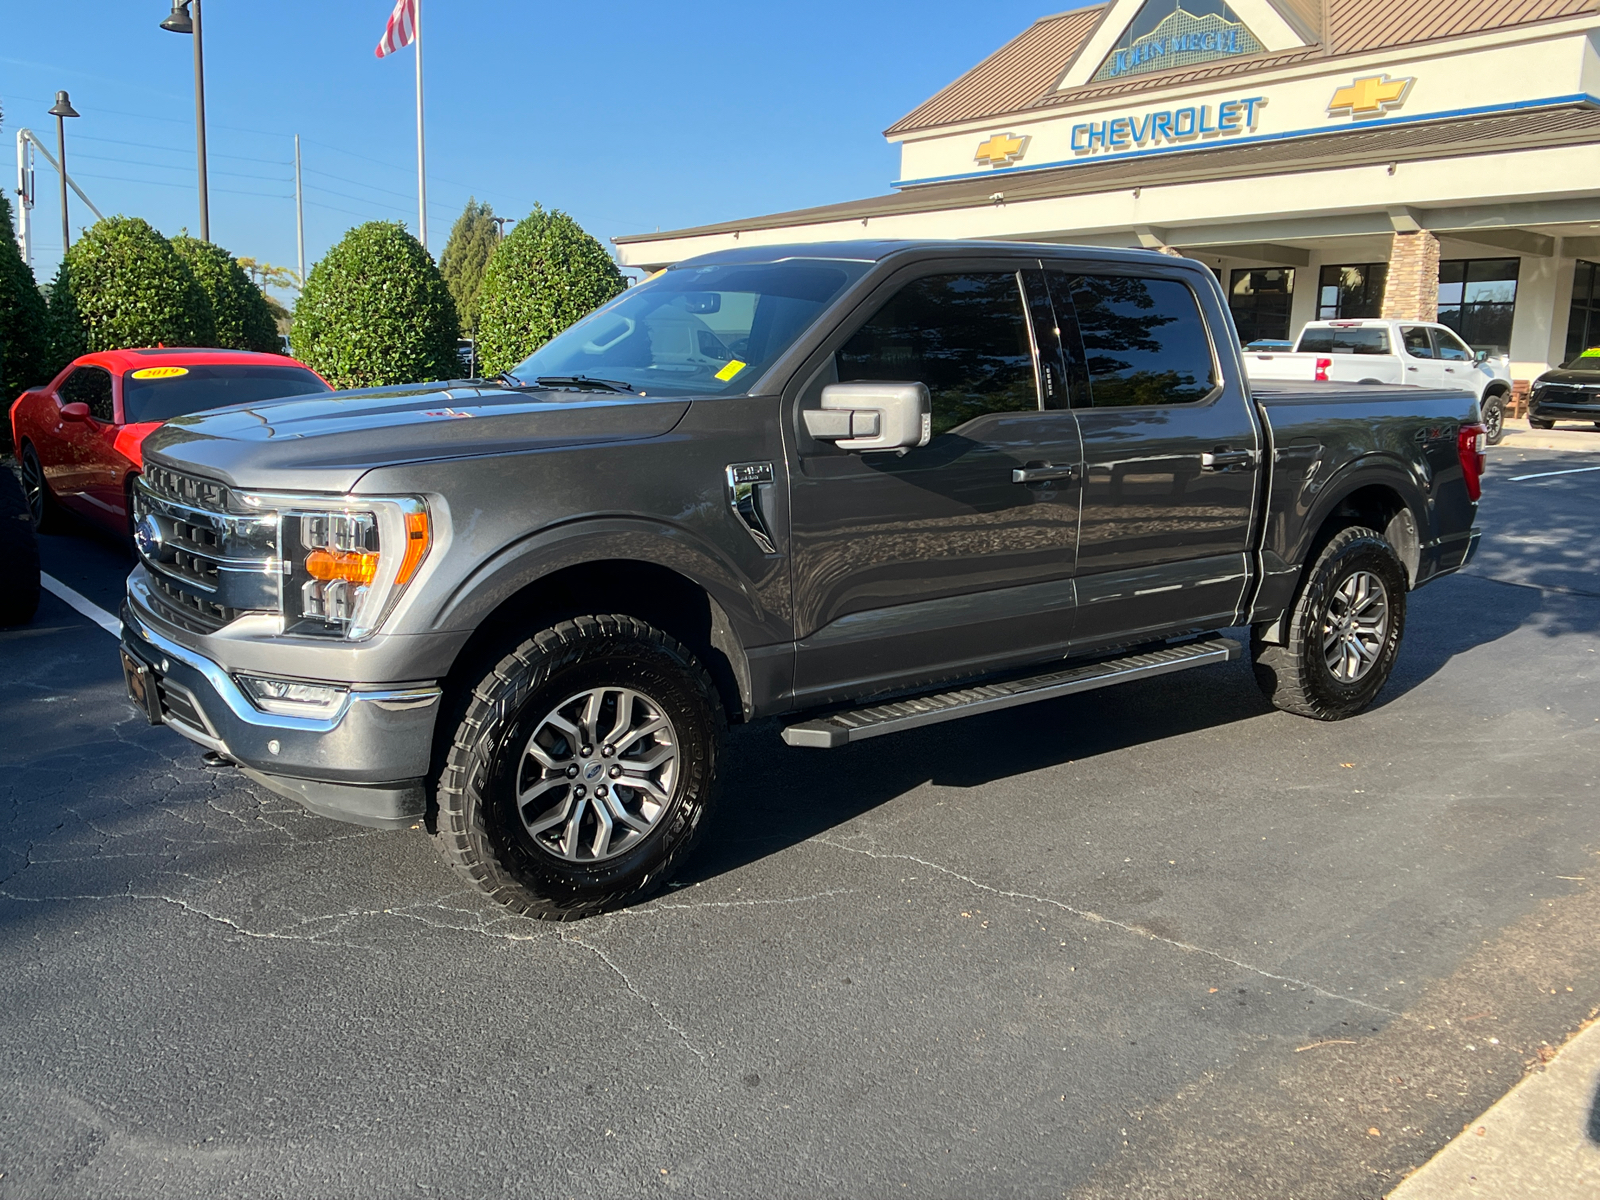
x,y
346,560
289,697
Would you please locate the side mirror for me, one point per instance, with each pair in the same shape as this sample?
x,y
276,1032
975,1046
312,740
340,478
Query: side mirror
x,y
872,416
74,412
1481,356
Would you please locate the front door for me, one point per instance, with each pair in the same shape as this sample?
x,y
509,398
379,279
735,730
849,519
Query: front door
x,y
1170,449
1422,365
936,562
83,443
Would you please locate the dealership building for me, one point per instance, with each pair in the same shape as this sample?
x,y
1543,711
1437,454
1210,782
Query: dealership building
x,y
1415,159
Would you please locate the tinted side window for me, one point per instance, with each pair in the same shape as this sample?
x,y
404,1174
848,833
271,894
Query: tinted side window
x,y
91,386
1415,338
1364,340
965,336
1144,339
1450,346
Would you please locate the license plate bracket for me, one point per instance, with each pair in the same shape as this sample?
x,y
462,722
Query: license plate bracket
x,y
140,678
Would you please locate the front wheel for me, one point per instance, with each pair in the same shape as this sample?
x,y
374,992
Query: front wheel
x,y
1494,419
583,769
1536,423
43,508
1343,631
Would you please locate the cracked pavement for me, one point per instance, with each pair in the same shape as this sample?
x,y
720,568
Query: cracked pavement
x,y
1154,941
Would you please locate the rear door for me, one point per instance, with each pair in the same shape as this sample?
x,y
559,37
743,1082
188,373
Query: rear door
x,y
936,562
1171,447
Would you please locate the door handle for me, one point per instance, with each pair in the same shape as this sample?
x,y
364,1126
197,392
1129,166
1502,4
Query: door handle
x,y
1224,459
1043,473
1411,368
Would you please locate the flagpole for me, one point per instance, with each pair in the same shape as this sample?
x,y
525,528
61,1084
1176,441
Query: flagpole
x,y
422,176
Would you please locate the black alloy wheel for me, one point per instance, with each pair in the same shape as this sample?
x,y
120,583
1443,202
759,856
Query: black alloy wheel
x,y
42,506
1494,418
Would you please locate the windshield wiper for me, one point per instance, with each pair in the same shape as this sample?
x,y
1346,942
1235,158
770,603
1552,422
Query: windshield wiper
x,y
583,381
508,378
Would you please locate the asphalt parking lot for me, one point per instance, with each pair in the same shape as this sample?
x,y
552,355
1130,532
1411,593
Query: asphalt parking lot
x,y
1160,941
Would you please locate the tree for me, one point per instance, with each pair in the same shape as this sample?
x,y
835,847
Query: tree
x,y
122,284
265,275
24,322
546,274
238,307
375,311
466,255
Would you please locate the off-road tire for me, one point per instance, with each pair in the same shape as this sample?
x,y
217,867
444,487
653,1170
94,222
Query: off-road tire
x,y
43,508
1295,676
1536,423
1494,419
19,554
479,831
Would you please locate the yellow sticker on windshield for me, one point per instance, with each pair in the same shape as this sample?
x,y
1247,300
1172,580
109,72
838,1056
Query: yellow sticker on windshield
x,y
1591,352
732,369
160,372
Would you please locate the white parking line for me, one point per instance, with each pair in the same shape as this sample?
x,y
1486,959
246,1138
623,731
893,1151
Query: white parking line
x,y
1547,474
84,605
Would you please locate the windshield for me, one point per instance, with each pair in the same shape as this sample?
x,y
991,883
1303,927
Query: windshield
x,y
161,393
706,331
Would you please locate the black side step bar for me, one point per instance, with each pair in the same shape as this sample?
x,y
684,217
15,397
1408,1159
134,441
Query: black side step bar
x,y
841,728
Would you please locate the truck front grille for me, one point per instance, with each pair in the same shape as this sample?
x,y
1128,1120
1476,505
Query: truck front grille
x,y
210,559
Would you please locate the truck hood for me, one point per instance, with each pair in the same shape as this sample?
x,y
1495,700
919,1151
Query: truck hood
x,y
326,442
1570,378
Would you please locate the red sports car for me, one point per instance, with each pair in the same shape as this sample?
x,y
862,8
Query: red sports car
x,y
79,435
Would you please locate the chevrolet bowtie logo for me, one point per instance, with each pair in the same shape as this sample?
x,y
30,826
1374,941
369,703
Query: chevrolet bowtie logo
x,y
1369,96
1001,149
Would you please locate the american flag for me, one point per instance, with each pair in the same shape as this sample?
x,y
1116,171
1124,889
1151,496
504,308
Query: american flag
x,y
401,29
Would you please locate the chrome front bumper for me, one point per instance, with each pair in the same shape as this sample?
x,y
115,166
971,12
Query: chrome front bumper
x,y
366,762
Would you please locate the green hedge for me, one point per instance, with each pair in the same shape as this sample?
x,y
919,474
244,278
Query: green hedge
x,y
375,311
122,284
238,307
547,274
25,358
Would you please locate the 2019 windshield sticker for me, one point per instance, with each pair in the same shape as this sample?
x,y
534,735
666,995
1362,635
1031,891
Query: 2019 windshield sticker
x,y
732,369
160,372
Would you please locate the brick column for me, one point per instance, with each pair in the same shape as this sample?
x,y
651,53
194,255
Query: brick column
x,y
1412,292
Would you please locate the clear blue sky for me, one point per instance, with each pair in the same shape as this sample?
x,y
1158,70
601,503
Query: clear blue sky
x,y
628,115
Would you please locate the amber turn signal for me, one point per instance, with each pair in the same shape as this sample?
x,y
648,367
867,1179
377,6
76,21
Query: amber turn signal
x,y
356,566
417,540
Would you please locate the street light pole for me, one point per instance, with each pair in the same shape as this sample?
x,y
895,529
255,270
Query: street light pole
x,y
60,111
299,214
179,20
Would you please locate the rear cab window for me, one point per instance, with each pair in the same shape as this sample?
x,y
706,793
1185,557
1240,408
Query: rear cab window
x,y
1145,342
161,392
1333,340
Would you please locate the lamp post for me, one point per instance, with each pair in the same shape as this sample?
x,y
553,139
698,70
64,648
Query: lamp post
x,y
180,21
60,111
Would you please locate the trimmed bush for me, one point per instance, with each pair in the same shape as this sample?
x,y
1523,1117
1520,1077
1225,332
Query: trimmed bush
x,y
24,322
238,306
375,311
124,285
547,274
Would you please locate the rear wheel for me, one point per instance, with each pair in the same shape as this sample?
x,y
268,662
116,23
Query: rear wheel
x,y
43,508
1343,631
1494,418
583,769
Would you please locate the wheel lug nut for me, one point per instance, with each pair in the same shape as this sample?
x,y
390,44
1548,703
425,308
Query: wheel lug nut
x,y
601,790
572,771
579,791
608,752
586,751
616,772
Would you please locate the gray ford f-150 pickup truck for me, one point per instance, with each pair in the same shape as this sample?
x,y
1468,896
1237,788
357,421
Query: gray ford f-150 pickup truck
x,y
859,487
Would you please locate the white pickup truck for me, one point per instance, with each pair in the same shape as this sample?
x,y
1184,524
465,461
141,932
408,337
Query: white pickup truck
x,y
1374,351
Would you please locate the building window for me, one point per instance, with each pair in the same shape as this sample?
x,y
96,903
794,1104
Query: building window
x,y
1352,291
1260,303
1583,323
1477,298
1177,33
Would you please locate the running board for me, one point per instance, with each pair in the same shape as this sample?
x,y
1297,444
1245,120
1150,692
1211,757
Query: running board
x,y
841,728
